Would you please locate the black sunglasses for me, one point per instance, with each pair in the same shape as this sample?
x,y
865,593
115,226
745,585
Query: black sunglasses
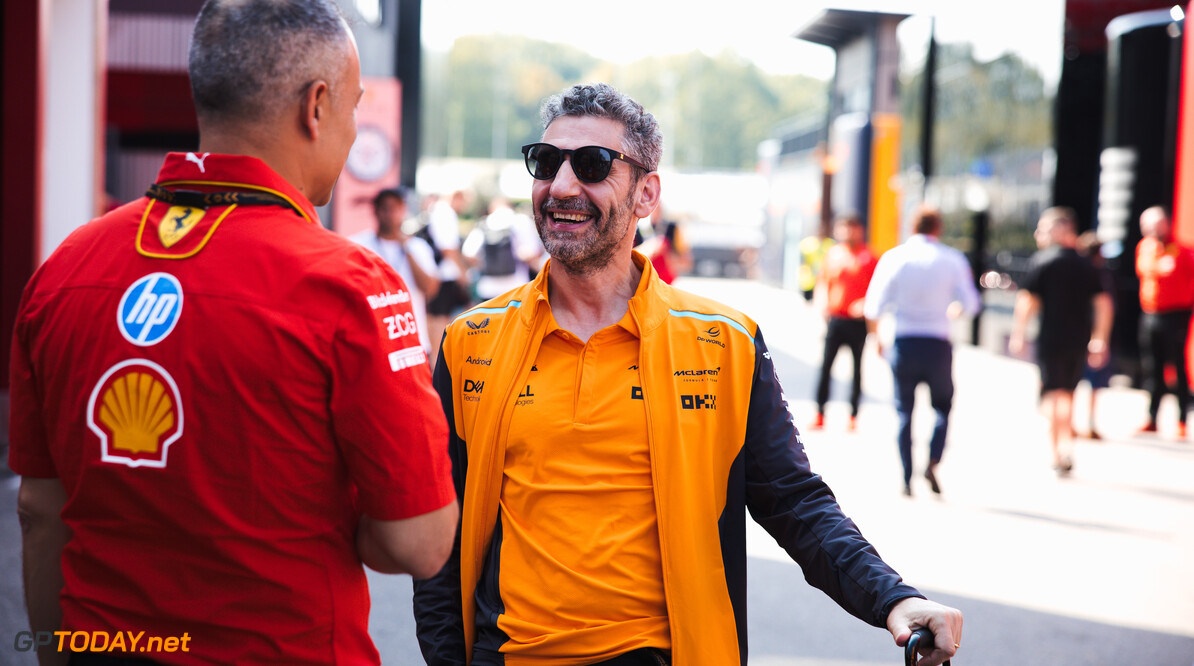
x,y
591,164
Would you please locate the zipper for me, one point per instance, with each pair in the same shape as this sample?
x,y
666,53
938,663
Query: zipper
x,y
654,482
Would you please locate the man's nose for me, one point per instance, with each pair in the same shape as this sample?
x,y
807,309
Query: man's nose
x,y
565,184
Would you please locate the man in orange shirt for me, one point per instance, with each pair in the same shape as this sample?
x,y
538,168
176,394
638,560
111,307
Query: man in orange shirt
x,y
1166,272
841,290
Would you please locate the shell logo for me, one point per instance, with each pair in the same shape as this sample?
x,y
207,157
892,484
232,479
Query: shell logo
x,y
136,411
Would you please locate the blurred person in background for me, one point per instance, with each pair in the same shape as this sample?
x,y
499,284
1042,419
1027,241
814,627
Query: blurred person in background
x,y
443,232
219,457
840,294
609,432
666,247
1097,379
923,283
1166,272
503,247
812,252
1075,324
410,256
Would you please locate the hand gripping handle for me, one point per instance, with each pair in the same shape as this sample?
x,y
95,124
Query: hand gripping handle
x,y
920,638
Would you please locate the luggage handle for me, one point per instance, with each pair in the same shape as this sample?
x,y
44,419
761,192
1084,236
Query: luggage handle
x,y
918,637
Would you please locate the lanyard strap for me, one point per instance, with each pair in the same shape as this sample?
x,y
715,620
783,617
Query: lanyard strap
x,y
193,199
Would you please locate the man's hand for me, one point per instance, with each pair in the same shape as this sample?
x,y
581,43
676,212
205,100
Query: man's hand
x,y
915,613
43,536
1015,344
1096,353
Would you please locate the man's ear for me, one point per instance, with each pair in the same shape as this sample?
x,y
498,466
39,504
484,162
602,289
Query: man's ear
x,y
648,195
316,99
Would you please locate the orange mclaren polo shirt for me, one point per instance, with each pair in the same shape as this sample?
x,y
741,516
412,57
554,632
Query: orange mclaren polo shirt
x,y
580,569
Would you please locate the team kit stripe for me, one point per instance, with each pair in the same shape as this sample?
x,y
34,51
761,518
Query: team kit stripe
x,y
713,317
476,311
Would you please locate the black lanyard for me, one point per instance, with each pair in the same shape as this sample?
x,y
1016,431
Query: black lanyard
x,y
205,200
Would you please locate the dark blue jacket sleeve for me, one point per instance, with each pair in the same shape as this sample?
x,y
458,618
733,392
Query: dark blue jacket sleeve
x,y
799,510
438,615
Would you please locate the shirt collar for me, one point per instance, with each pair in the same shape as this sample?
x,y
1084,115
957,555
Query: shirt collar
x,y
213,171
627,321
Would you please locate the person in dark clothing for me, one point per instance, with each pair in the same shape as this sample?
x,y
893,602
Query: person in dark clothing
x,y
1075,323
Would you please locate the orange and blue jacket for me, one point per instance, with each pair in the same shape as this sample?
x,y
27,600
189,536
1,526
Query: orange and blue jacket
x,y
708,467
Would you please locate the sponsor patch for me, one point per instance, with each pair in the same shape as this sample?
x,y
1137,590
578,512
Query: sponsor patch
x,y
407,358
177,223
400,325
150,309
136,411
477,327
388,298
705,401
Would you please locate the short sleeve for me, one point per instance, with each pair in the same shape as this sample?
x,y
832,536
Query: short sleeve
x,y
421,253
29,446
1032,279
444,228
387,417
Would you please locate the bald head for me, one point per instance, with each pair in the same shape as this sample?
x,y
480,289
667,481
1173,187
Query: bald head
x,y
1154,223
252,59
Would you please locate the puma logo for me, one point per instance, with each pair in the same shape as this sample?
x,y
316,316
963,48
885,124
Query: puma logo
x,y
192,157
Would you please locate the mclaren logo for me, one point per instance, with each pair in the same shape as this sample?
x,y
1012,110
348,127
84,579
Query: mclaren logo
x,y
697,373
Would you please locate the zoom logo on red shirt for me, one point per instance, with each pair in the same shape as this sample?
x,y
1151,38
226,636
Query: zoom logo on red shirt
x,y
400,325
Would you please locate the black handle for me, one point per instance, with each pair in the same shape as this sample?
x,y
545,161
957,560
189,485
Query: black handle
x,y
920,637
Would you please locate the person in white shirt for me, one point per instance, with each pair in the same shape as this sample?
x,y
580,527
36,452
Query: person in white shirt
x,y
443,230
502,247
411,257
924,283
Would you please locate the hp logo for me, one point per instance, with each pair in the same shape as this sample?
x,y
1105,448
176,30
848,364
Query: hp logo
x,y
149,309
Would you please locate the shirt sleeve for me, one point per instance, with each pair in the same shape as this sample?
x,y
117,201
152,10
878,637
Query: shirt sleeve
x,y
799,510
387,419
964,290
29,446
444,228
878,291
1032,279
422,254
439,620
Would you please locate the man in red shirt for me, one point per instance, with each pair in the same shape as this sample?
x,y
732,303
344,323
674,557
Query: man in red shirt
x,y
221,409
1166,272
841,290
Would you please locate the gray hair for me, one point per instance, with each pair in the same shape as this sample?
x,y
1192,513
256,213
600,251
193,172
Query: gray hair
x,y
251,58
644,140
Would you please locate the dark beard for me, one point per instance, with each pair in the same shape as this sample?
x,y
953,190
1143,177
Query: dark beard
x,y
593,249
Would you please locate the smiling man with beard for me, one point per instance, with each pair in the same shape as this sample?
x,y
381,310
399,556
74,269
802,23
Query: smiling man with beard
x,y
608,434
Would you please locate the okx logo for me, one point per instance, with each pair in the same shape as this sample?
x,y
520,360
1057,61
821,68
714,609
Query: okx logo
x,y
150,309
705,401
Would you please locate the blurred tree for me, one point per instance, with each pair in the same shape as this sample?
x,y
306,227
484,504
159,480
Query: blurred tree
x,y
485,94
984,110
